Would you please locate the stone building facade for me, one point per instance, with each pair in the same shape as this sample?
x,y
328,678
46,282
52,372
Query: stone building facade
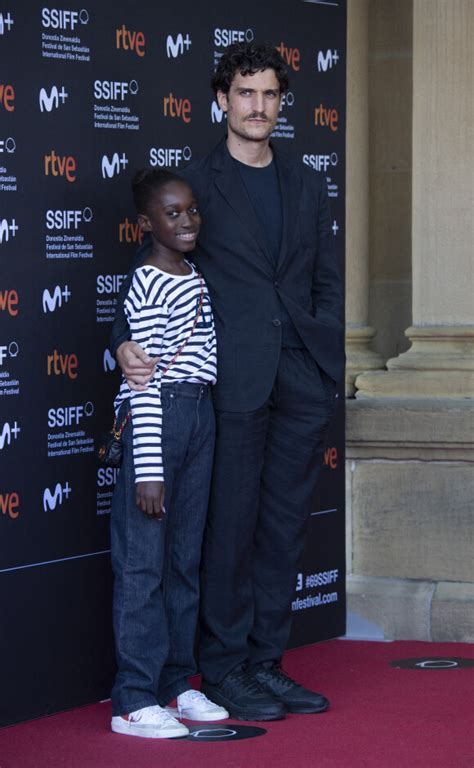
x,y
410,316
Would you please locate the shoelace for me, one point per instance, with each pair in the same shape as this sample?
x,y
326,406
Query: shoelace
x,y
278,675
248,682
196,696
156,713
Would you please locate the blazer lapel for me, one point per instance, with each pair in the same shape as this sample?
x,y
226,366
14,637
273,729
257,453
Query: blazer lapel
x,y
232,188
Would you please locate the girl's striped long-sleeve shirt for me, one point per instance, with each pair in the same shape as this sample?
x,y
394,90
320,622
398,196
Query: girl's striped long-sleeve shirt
x,y
161,309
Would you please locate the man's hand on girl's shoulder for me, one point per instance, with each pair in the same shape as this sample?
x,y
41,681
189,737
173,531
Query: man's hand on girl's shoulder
x,y
136,365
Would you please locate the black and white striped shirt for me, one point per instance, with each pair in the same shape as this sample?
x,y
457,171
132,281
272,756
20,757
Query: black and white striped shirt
x,y
161,309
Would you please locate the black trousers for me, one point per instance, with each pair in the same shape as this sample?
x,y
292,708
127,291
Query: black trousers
x,y
265,472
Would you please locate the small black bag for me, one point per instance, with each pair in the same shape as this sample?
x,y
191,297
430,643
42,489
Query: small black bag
x,y
110,449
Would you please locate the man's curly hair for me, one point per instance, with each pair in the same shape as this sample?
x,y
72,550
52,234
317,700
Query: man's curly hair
x,y
248,58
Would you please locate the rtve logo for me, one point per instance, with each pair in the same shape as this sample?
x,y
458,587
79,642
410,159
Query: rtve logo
x,y
326,118
224,37
327,60
176,47
58,364
109,362
56,18
174,107
8,433
217,114
7,145
107,476
9,301
68,219
56,498
7,97
130,41
330,458
8,350
9,504
114,90
7,229
58,165
69,415
129,232
321,162
52,301
49,102
169,156
291,56
109,283
114,166
6,23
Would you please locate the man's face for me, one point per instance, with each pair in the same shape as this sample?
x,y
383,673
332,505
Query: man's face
x,y
252,105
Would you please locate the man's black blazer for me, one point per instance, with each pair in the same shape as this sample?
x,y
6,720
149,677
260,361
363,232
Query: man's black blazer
x,y
246,287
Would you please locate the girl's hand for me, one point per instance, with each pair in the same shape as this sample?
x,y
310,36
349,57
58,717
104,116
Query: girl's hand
x,y
150,497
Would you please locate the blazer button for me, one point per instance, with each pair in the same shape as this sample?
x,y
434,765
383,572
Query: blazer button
x,y
276,322
276,284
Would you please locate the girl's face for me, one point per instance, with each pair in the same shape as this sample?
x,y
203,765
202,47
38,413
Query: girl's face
x,y
173,218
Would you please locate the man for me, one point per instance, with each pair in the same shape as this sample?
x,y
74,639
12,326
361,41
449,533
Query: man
x,y
266,250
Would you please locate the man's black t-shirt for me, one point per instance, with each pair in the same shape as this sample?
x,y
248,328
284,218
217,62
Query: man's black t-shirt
x,y
263,189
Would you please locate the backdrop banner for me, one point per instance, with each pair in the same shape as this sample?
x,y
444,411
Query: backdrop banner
x,y
89,94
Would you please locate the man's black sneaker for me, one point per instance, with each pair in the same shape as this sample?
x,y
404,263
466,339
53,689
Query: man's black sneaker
x,y
295,697
244,698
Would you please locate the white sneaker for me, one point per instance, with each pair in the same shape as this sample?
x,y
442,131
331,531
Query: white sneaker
x,y
151,723
193,705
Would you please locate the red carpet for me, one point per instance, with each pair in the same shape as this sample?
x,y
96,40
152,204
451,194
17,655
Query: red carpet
x,y
381,717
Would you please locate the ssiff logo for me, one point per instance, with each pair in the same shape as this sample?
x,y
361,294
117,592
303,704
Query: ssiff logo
x,y
57,18
169,156
224,37
67,415
174,107
326,117
58,364
9,301
67,219
130,41
114,90
321,162
109,283
8,350
6,22
114,166
59,296
60,165
327,60
8,434
290,56
51,500
10,504
7,145
48,102
7,229
7,97
175,48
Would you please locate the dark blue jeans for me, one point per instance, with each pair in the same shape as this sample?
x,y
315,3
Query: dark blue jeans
x,y
156,563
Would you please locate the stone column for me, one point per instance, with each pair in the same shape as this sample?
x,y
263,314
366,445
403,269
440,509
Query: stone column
x,y
358,333
440,362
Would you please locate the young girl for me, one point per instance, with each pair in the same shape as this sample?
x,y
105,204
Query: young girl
x,y
160,501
